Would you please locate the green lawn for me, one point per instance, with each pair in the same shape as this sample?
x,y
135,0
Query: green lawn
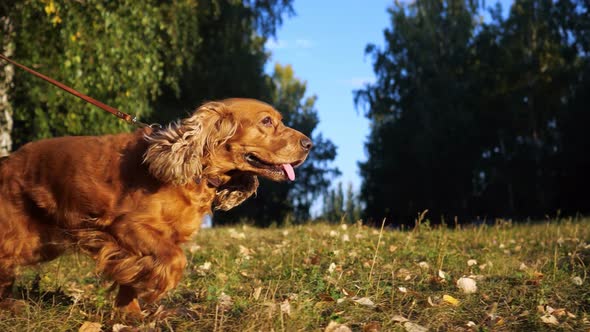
x,y
303,278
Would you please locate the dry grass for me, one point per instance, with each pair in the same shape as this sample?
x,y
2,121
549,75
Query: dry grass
x,y
301,278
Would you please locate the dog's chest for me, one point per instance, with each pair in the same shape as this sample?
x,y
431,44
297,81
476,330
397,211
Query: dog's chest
x,y
186,213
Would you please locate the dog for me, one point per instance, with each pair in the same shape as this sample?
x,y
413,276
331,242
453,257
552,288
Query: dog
x,y
130,200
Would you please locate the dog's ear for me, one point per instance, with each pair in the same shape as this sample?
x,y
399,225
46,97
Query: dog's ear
x,y
177,154
235,191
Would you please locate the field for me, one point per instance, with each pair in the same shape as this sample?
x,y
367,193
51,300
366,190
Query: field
x,y
330,277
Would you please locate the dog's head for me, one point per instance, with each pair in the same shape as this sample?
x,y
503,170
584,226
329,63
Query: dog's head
x,y
231,141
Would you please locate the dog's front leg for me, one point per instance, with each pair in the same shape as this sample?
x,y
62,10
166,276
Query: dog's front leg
x,y
142,259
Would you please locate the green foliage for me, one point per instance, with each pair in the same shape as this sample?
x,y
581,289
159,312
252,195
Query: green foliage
x,y
229,61
474,119
120,53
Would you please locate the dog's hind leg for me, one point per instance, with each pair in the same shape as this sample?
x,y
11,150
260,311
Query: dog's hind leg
x,y
7,276
126,300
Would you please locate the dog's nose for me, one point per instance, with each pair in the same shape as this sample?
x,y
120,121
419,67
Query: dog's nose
x,y
306,144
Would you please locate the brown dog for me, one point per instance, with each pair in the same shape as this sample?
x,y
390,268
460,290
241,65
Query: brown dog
x,y
129,200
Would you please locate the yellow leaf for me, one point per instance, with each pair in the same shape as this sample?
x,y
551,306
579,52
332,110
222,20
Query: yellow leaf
x,y
50,8
450,300
56,20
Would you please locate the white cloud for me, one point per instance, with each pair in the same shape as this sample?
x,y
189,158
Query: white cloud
x,y
272,44
303,43
358,82
300,43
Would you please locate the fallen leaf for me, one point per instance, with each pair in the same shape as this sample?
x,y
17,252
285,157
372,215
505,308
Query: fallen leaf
x,y
365,301
194,248
413,327
404,274
257,292
225,301
123,328
205,266
246,252
424,265
524,314
450,300
577,281
286,307
331,268
443,275
90,327
471,262
549,319
433,303
326,297
477,277
372,327
467,285
337,327
235,235
399,319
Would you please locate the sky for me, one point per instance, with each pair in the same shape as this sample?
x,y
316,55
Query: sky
x,y
325,43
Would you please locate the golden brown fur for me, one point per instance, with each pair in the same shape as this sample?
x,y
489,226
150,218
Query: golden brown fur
x,y
129,200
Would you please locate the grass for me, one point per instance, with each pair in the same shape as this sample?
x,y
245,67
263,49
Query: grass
x,y
302,278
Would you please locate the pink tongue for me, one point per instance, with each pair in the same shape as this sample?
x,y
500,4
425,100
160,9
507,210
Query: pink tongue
x,y
289,170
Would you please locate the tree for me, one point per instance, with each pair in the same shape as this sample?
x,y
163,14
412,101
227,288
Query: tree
x,y
230,58
474,118
353,208
420,111
6,79
98,47
340,208
571,163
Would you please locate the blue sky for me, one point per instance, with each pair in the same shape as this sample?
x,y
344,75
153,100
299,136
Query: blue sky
x,y
325,43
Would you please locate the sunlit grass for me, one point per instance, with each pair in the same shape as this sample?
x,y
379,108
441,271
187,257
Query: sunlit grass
x,y
529,277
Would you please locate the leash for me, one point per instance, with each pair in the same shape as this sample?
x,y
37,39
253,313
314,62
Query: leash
x,y
121,115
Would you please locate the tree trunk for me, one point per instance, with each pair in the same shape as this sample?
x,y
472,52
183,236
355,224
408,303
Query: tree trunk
x,y
6,75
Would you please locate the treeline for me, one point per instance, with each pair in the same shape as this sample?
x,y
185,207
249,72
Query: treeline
x,y
475,118
158,60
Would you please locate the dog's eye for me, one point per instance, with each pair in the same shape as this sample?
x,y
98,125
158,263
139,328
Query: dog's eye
x,y
267,122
